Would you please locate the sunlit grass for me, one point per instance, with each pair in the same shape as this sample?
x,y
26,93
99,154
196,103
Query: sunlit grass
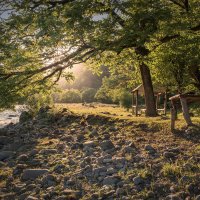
x,y
117,112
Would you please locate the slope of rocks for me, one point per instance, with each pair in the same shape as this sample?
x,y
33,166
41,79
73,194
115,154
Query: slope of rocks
x,y
66,156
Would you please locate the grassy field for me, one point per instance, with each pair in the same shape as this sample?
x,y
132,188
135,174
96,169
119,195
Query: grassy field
x,y
116,112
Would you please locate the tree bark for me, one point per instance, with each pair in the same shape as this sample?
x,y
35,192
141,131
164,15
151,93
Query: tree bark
x,y
148,91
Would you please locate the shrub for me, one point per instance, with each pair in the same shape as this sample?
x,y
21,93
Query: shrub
x,y
103,96
126,99
36,101
57,97
71,96
88,95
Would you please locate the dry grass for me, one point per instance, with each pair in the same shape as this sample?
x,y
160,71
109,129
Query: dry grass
x,y
117,112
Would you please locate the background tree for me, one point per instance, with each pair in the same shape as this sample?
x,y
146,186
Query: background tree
x,y
58,34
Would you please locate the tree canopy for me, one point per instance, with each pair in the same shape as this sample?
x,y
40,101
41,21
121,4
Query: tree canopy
x,y
41,38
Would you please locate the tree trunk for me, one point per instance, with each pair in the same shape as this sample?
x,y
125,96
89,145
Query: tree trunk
x,y
148,91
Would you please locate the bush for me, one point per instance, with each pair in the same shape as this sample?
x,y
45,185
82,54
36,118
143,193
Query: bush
x,y
71,96
103,96
36,101
126,99
57,97
88,95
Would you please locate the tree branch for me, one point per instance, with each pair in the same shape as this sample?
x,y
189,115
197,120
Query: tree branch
x,y
177,3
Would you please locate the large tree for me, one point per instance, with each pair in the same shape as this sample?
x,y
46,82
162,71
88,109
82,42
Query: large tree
x,y
41,38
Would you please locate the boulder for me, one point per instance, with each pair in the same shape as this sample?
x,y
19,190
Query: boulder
x,y
4,140
6,154
32,174
138,180
150,149
22,158
111,180
107,145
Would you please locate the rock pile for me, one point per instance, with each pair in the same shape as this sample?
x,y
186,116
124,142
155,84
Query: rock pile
x,y
54,156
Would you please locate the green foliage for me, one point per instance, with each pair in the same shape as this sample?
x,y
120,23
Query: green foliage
x,y
43,38
36,101
71,96
174,64
103,96
88,95
126,99
111,92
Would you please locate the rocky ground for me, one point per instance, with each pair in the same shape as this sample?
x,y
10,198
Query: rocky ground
x,y
66,156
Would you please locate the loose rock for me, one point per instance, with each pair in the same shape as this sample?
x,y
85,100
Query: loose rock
x,y
32,174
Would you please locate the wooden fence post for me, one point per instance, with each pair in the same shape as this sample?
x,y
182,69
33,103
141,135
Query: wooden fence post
x,y
173,116
136,104
186,113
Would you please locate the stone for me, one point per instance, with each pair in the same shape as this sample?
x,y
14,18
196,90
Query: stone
x,y
89,144
88,151
150,149
48,151
22,157
59,168
120,191
25,116
2,164
76,145
111,180
31,198
111,171
49,180
107,160
197,197
173,197
4,140
173,189
19,169
192,130
138,180
107,145
106,136
32,174
128,149
72,194
174,150
97,171
193,188
113,128
169,155
3,131
80,137
61,147
94,132
6,154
